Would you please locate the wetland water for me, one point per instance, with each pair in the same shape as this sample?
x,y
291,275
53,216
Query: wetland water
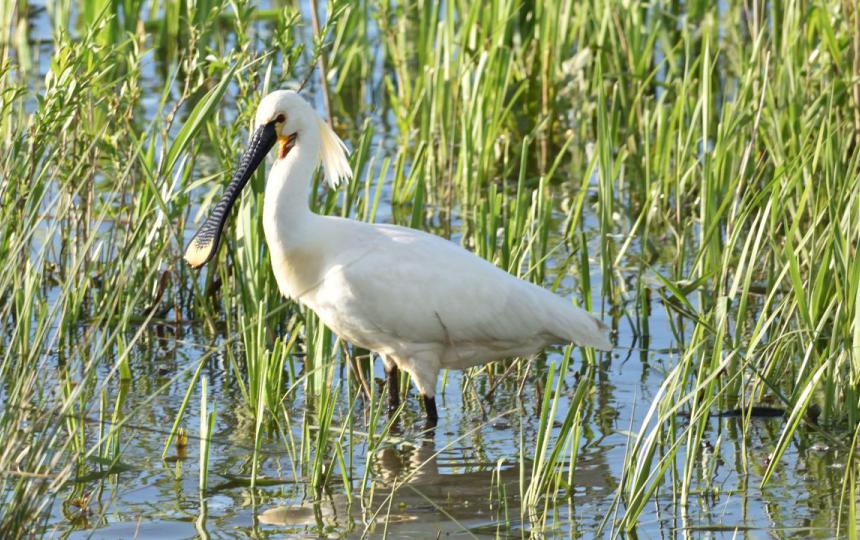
x,y
458,475
468,477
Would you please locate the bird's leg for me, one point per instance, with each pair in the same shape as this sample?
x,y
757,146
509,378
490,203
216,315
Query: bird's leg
x,y
393,388
430,407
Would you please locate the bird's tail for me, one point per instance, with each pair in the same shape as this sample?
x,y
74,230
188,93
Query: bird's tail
x,y
602,335
583,328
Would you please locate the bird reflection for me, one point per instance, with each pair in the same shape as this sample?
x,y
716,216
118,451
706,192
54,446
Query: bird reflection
x,y
422,489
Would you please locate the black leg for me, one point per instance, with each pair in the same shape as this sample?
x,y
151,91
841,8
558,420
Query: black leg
x,y
430,407
393,388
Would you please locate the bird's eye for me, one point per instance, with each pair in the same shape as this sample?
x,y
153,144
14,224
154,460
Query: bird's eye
x,y
280,118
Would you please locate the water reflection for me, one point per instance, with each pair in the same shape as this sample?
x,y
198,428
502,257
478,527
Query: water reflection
x,y
423,490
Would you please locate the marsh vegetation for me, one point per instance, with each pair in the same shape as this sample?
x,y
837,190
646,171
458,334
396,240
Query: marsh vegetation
x,y
687,170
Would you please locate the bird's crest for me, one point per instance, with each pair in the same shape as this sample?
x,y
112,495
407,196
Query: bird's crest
x,y
333,153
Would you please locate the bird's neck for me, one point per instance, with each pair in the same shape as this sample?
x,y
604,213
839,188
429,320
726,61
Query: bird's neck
x,y
286,211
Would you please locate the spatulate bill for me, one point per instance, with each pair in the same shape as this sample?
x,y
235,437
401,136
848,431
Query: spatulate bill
x,y
205,243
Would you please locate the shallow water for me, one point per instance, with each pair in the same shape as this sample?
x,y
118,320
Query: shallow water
x,y
461,480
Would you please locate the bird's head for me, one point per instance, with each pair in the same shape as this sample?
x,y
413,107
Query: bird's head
x,y
283,117
293,119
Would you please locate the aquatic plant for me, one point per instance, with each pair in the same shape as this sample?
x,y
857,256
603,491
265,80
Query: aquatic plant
x,y
689,169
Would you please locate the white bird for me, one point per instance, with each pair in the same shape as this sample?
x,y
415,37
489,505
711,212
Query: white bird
x,y
421,302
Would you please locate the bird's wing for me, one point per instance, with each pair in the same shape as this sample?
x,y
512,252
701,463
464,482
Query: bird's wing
x,y
424,288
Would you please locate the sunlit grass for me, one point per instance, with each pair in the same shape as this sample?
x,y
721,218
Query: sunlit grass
x,y
695,159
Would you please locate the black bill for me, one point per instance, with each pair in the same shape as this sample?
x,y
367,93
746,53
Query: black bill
x,y
205,243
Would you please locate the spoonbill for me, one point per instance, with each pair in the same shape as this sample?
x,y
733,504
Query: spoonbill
x,y
421,302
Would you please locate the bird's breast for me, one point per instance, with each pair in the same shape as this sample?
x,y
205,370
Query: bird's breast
x,y
298,271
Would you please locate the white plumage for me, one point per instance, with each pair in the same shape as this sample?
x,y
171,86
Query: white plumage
x,y
420,301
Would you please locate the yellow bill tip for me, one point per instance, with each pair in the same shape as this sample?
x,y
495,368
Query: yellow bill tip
x,y
196,256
